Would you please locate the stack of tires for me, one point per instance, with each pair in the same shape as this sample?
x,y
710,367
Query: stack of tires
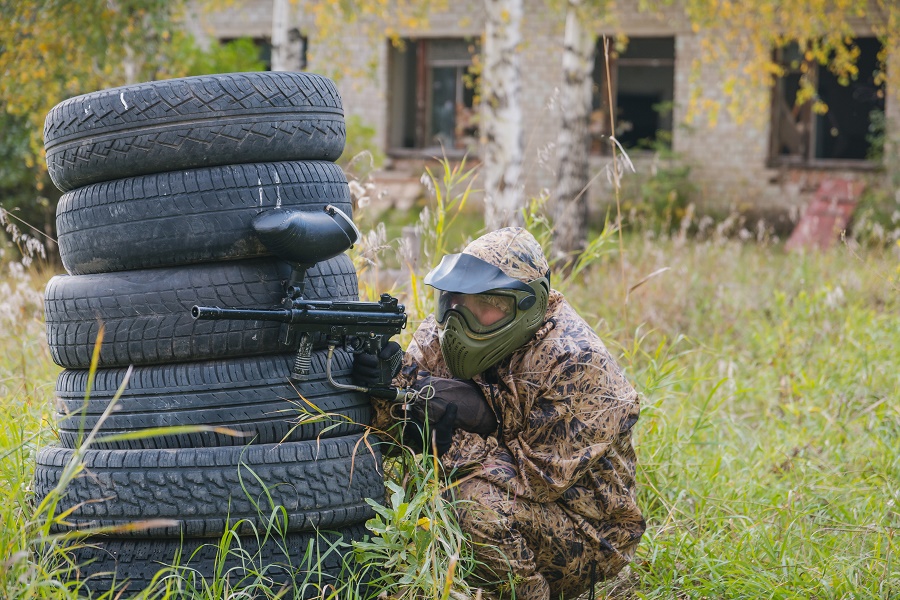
x,y
161,183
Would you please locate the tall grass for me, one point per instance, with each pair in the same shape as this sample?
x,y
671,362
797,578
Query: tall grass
x,y
767,444
27,377
769,434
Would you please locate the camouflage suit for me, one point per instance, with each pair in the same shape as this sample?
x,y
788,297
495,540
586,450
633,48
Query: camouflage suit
x,y
551,495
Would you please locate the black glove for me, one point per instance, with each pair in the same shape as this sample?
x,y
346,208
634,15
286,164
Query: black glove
x,y
437,394
377,371
443,430
414,432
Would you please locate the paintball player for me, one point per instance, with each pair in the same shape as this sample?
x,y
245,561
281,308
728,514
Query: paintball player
x,y
531,415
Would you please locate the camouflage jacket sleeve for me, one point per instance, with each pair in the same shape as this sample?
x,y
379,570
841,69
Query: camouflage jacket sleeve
x,y
571,427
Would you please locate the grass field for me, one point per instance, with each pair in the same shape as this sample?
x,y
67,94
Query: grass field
x,y
769,435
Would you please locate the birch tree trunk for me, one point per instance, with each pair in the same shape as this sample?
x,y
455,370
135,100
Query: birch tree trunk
x,y
571,211
501,111
130,65
285,53
194,26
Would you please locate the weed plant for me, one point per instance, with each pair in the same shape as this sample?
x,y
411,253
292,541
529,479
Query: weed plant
x,y
767,444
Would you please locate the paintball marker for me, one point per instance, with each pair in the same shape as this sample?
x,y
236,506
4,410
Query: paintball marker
x,y
303,239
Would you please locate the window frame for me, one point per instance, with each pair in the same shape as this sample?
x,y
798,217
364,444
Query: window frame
x,y
423,129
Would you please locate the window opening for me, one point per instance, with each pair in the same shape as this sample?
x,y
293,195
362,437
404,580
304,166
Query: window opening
x,y
642,78
843,121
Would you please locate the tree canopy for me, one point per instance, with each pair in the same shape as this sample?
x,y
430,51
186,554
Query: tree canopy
x,y
51,50
740,35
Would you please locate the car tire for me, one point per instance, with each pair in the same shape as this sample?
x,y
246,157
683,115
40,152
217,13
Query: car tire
x,y
192,122
202,492
309,562
186,217
252,396
147,318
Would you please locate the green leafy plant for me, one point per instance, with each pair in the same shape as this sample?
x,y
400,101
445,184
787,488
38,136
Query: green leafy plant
x,y
876,219
658,201
417,550
451,189
567,270
876,137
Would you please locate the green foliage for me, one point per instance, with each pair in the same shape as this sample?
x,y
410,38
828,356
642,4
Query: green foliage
x,y
22,243
877,136
417,550
566,271
27,197
13,151
876,219
664,198
741,36
26,394
657,202
766,465
451,190
894,277
236,56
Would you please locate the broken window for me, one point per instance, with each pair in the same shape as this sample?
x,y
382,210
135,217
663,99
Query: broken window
x,y
844,119
642,78
431,95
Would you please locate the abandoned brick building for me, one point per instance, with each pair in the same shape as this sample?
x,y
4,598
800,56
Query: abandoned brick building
x,y
417,100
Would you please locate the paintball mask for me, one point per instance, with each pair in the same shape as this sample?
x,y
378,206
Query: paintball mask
x,y
483,315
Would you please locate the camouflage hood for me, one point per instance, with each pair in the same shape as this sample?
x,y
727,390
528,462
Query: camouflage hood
x,y
514,251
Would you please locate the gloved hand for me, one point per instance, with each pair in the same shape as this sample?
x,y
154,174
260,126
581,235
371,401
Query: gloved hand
x,y
414,432
438,394
377,371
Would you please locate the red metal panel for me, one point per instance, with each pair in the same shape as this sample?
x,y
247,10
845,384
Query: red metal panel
x,y
827,214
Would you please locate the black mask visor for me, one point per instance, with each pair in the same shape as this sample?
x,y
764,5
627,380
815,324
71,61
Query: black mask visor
x,y
467,274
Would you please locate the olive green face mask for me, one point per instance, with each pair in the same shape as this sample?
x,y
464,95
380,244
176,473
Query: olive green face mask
x,y
469,350
483,314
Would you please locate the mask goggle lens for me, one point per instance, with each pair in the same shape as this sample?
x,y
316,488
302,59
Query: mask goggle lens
x,y
483,313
